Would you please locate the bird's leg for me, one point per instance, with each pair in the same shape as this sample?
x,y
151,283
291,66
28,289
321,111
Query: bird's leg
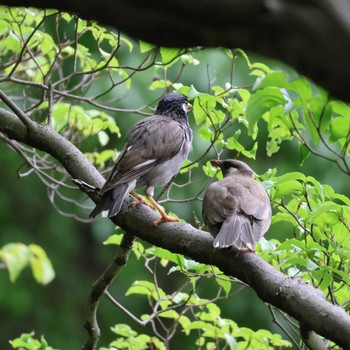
x,y
164,216
140,200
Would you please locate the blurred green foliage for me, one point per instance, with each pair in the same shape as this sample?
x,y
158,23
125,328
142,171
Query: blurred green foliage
x,y
91,84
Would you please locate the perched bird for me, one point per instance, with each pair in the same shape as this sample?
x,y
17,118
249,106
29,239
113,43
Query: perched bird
x,y
154,151
236,209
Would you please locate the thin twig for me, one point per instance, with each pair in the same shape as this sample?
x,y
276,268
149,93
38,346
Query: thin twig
x,y
19,113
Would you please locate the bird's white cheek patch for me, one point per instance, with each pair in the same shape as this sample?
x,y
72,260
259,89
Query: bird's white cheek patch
x,y
185,107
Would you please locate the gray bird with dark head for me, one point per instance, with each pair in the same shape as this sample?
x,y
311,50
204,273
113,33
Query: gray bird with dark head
x,y
154,151
236,209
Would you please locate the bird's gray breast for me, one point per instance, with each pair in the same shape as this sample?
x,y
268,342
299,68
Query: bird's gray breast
x,y
165,171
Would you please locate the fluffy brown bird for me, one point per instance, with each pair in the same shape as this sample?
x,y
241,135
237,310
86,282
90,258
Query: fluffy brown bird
x,y
236,209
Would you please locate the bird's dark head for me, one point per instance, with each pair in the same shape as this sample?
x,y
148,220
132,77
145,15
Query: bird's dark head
x,y
231,166
174,105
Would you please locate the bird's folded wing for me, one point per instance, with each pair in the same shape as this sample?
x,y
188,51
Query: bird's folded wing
x,y
151,142
251,197
218,203
242,194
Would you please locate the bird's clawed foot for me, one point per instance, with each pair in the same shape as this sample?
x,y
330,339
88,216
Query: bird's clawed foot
x,y
140,200
164,218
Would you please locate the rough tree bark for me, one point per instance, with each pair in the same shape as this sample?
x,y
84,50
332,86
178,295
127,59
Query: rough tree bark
x,y
312,36
300,300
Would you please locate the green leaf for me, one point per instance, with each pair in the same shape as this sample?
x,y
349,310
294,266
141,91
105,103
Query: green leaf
x,y
233,144
311,127
178,259
340,128
141,287
273,79
291,176
169,55
189,91
205,133
342,198
160,84
184,322
41,265
123,330
103,138
16,258
113,239
321,209
159,345
343,275
187,165
231,342
304,153
145,47
169,314
201,325
324,277
224,284
340,108
285,217
210,170
203,106
27,342
128,43
302,87
261,102
287,188
317,106
259,65
189,59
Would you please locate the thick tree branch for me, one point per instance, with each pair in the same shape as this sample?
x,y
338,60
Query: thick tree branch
x,y
300,300
44,138
312,35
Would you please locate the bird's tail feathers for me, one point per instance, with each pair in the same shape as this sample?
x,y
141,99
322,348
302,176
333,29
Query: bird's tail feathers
x,y
235,232
111,201
227,236
246,238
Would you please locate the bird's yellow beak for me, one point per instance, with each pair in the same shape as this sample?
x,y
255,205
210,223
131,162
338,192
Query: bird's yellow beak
x,y
190,107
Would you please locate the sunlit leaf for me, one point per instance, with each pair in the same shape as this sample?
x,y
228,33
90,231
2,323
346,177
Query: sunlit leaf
x,y
16,258
261,102
41,265
114,239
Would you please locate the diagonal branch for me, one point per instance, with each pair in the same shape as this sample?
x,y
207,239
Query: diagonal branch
x,y
300,300
20,114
